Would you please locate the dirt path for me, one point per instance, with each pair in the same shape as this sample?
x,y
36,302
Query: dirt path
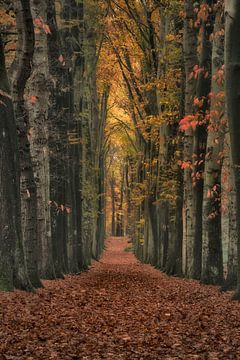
x,y
120,309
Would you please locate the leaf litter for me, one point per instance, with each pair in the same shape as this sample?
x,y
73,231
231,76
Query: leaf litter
x,y
120,309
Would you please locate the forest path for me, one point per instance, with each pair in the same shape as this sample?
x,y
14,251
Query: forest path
x,y
120,309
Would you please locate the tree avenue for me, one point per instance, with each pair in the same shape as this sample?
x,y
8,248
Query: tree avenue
x,y
119,117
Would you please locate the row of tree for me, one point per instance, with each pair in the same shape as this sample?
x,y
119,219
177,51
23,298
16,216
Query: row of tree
x,y
152,84
52,118
180,60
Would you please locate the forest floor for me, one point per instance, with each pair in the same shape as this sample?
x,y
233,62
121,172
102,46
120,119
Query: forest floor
x,y
120,309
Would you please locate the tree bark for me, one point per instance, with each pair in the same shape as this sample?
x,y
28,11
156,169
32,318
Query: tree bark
x,y
189,219
232,68
38,95
22,65
13,271
212,265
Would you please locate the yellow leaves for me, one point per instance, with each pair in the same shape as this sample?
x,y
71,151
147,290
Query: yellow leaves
x,y
170,37
73,138
141,222
177,153
7,18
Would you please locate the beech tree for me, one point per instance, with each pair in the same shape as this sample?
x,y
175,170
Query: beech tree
x,y
232,66
13,270
212,263
20,74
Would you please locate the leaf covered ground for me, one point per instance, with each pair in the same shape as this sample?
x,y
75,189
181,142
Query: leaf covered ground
x,y
120,309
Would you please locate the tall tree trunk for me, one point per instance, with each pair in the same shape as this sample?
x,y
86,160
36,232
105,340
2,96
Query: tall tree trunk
x,y
57,144
38,94
212,265
232,68
120,224
113,205
229,232
13,271
22,65
190,58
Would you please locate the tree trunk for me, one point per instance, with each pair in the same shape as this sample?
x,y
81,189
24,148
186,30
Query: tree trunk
x,y
212,265
232,68
57,145
229,233
190,58
113,205
22,65
38,97
13,271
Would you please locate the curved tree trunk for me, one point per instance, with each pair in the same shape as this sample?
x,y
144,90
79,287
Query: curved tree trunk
x,y
22,65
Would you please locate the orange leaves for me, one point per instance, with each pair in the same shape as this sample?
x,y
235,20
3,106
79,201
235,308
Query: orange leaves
x,y
46,29
40,25
185,164
170,37
60,207
197,71
213,192
199,102
7,18
214,36
38,22
32,99
203,12
189,121
219,76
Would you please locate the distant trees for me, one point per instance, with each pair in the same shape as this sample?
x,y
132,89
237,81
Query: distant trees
x,y
173,68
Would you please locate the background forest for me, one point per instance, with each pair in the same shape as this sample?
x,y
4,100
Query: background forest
x,y
119,116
